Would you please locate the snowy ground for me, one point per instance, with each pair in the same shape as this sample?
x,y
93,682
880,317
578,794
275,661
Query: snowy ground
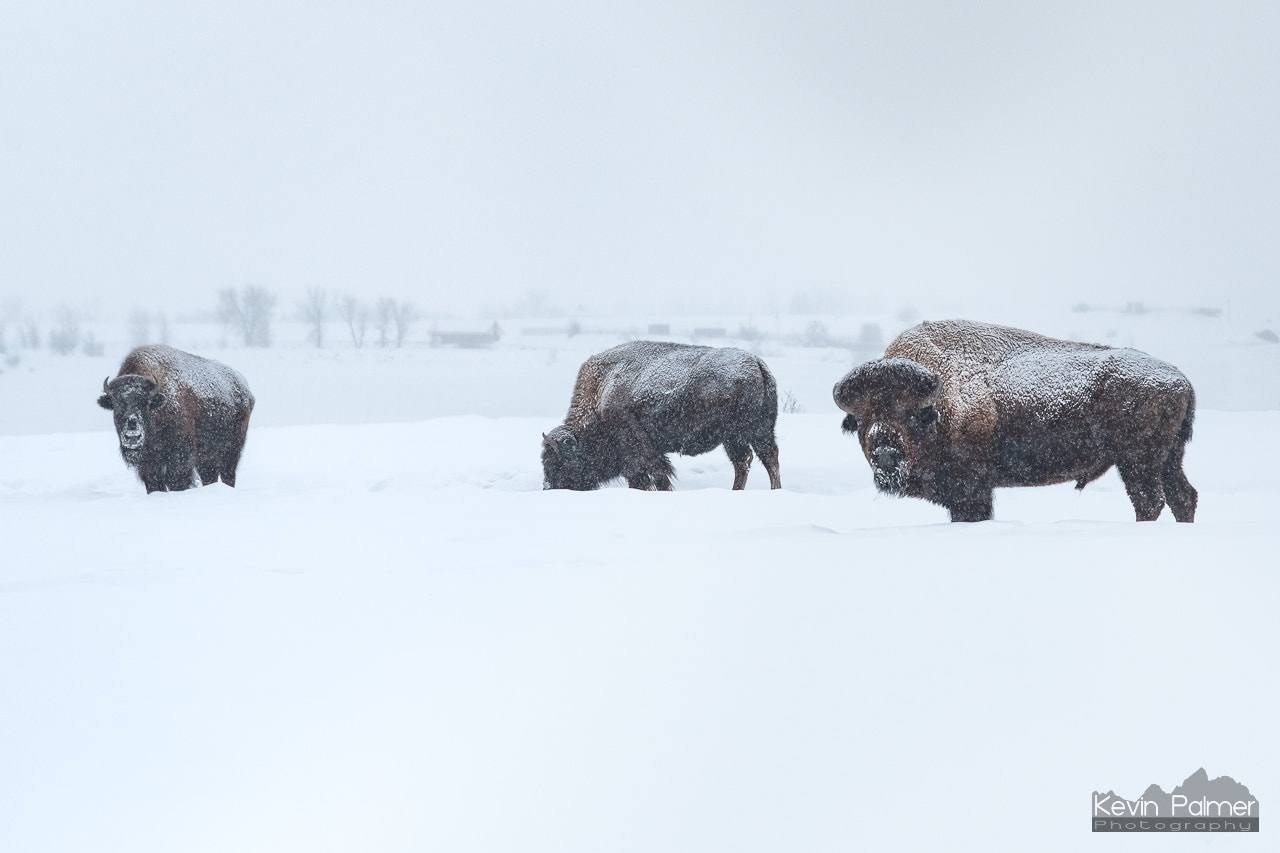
x,y
389,638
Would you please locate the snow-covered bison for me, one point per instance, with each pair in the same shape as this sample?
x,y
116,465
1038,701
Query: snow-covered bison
x,y
956,409
639,401
179,417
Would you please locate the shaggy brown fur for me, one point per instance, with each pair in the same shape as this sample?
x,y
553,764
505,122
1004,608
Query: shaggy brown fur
x,y
637,402
956,409
178,417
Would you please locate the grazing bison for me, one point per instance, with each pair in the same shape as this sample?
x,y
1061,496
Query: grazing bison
x,y
178,416
956,409
639,401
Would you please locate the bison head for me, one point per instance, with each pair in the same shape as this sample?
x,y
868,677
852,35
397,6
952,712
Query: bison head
x,y
892,408
566,463
132,399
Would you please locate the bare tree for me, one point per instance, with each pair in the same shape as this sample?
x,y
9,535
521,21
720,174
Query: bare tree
x,y
248,312
383,311
92,346
312,310
29,333
788,404
65,336
870,342
140,326
815,334
403,316
356,315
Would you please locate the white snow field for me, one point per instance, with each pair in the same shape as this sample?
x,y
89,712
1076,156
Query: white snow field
x,y
389,638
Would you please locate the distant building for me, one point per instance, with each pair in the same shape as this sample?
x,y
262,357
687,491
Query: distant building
x,y
467,340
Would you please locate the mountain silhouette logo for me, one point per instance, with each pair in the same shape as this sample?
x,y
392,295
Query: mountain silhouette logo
x,y
1199,804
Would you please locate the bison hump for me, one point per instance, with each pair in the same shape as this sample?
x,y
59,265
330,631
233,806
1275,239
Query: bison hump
x,y
658,374
176,370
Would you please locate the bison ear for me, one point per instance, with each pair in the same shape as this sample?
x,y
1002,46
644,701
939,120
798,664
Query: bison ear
x,y
849,424
157,401
106,402
928,415
551,444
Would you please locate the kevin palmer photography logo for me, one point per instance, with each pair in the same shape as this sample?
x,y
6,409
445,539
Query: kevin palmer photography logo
x,y
1199,804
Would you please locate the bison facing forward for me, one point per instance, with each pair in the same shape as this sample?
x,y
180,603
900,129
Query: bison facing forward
x,y
639,401
178,416
956,409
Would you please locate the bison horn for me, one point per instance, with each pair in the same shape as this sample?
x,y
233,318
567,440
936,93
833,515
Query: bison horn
x,y
151,384
105,389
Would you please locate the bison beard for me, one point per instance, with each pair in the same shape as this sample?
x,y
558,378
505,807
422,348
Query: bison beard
x,y
181,419
957,409
637,402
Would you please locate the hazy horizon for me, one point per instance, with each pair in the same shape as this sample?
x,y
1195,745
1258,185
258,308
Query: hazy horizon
x,y
613,157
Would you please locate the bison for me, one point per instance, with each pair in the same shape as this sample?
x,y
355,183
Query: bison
x,y
639,401
179,417
956,409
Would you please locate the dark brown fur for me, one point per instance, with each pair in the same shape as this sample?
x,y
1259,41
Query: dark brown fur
x,y
637,402
178,417
956,409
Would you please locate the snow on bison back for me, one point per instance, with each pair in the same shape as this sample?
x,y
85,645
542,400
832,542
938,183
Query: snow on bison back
x,y
178,417
956,409
637,402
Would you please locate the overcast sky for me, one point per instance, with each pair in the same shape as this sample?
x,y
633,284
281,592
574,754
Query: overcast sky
x,y
463,154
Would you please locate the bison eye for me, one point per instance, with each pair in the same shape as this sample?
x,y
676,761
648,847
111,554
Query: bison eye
x,y
105,401
928,415
157,401
850,424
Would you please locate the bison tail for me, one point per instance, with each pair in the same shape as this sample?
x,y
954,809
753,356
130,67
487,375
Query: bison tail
x,y
1184,431
770,392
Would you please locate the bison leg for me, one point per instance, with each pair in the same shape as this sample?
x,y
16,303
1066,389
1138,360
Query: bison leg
x,y
1146,491
1178,491
662,472
227,470
160,477
767,449
976,506
740,455
967,494
642,460
641,481
656,477
228,457
180,483
231,459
